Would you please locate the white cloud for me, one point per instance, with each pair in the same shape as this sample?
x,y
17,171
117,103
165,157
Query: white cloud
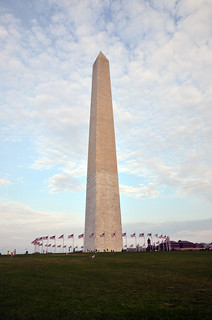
x,y
4,182
148,191
64,183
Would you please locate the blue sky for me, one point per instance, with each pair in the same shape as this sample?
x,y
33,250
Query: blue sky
x,y
160,55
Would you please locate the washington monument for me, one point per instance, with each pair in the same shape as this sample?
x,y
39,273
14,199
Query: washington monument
x,y
103,230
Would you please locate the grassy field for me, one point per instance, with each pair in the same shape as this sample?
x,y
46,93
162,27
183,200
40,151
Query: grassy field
x,y
146,285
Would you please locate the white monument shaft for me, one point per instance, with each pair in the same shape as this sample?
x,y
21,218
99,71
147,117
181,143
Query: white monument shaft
x,y
103,215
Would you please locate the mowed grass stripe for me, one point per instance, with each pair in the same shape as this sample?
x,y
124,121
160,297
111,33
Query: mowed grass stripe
x,y
151,285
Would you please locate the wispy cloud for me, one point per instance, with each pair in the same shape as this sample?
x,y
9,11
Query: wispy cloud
x,y
4,182
148,191
64,183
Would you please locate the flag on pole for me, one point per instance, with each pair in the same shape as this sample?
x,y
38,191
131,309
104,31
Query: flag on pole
x,y
113,234
131,246
45,238
53,246
71,236
64,246
80,236
49,245
133,235
81,247
59,246
35,243
161,236
141,235
156,235
52,237
124,234
61,237
102,235
70,247
91,235
149,234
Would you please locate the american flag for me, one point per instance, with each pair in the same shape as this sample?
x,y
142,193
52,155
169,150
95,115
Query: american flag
x,y
124,234
61,237
81,247
81,236
141,235
102,235
113,234
161,236
156,235
52,237
91,235
59,246
70,247
71,236
131,246
149,234
41,238
45,238
35,243
53,246
133,235
64,246
49,245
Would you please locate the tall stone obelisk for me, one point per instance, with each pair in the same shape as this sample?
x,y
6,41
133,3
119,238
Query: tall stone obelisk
x,y
103,230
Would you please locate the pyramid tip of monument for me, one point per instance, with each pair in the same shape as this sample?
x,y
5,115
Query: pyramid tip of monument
x,y
101,55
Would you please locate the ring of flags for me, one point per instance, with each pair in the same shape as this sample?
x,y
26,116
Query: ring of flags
x,y
40,241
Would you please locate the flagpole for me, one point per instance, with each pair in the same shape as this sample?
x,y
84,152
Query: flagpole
x,y
166,244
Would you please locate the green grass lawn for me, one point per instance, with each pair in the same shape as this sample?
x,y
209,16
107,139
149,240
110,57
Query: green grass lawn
x,y
145,285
